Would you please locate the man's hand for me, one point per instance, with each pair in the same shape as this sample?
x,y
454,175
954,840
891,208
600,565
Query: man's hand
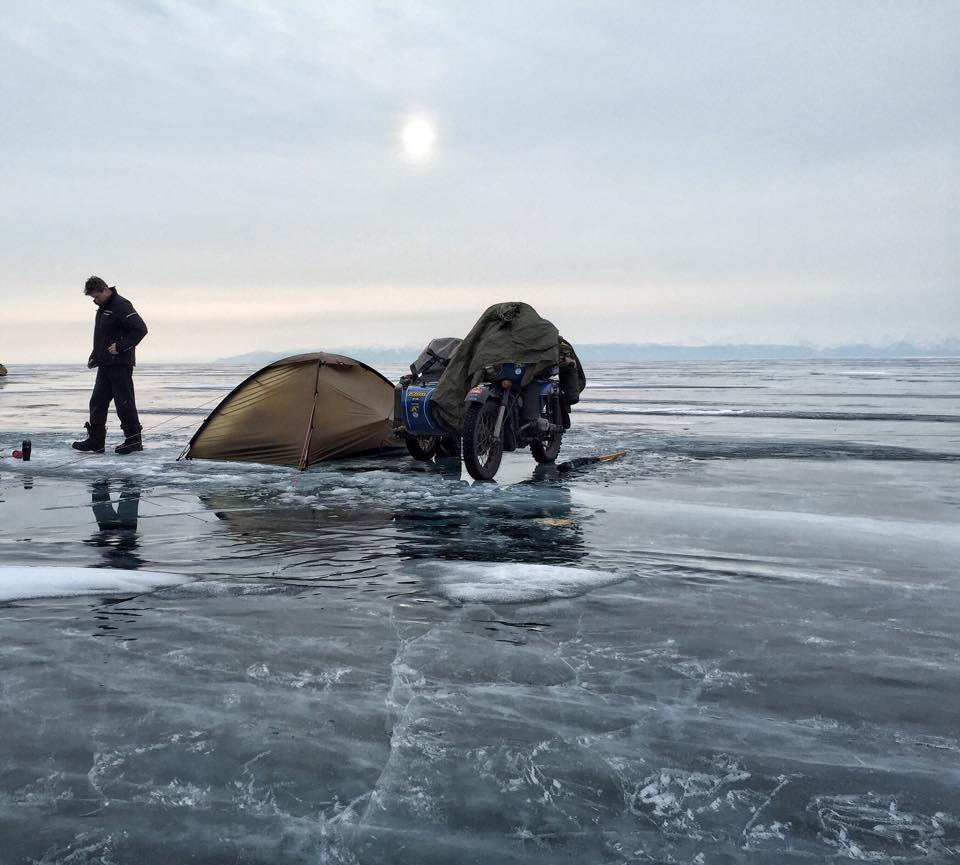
x,y
112,348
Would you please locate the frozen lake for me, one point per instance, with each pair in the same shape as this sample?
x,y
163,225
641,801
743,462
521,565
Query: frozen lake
x,y
738,644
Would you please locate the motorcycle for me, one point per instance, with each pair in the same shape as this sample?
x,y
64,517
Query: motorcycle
x,y
503,414
423,435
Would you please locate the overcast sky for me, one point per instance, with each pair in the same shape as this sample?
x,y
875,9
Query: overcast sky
x,y
638,171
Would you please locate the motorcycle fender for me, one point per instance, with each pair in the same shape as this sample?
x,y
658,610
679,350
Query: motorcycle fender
x,y
398,408
480,393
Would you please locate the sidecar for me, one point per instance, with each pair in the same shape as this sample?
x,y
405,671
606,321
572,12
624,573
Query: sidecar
x,y
424,434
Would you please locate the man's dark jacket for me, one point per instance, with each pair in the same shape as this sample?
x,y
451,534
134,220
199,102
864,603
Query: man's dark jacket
x,y
117,322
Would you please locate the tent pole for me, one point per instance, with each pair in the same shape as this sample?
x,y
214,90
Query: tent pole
x,y
305,453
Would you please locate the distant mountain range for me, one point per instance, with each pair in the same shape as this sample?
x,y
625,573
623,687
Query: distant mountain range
x,y
647,351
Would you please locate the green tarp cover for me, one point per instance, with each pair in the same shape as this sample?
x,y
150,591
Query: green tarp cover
x,y
505,333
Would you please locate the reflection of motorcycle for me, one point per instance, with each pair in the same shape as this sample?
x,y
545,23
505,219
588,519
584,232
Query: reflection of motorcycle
x,y
531,521
504,412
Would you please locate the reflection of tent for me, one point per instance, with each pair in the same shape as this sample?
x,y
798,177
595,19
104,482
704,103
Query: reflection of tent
x,y
274,526
299,411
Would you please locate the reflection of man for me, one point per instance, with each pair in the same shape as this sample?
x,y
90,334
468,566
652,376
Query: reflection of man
x,y
117,330
118,526
127,513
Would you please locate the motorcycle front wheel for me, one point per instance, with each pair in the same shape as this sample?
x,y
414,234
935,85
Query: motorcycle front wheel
x,y
547,449
422,447
482,451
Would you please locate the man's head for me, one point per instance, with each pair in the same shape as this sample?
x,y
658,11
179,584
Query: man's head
x,y
97,289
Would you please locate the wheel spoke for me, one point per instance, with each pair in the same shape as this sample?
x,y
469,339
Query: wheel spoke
x,y
481,449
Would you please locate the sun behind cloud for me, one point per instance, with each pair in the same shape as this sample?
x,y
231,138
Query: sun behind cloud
x,y
418,137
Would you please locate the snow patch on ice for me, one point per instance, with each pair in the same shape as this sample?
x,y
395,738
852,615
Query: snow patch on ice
x,y
323,680
18,583
676,800
510,582
872,828
938,743
180,795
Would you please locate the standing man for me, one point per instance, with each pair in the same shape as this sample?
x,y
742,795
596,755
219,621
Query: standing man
x,y
116,331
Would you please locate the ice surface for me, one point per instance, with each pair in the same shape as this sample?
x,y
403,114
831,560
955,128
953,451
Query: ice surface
x,y
737,644
50,582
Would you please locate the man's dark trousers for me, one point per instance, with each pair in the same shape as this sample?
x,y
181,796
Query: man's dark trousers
x,y
113,383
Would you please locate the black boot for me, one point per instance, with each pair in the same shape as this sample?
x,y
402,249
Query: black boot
x,y
130,444
93,443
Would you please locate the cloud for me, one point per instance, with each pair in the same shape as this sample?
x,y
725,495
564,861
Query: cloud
x,y
700,159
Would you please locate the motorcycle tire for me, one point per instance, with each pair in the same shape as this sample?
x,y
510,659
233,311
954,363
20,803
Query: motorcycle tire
x,y
546,450
423,448
481,451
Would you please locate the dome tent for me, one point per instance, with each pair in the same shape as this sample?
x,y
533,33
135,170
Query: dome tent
x,y
299,411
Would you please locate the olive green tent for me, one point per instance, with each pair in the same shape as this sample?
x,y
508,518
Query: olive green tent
x,y
299,411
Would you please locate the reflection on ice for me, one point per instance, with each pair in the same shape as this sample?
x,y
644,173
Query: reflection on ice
x,y
117,536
